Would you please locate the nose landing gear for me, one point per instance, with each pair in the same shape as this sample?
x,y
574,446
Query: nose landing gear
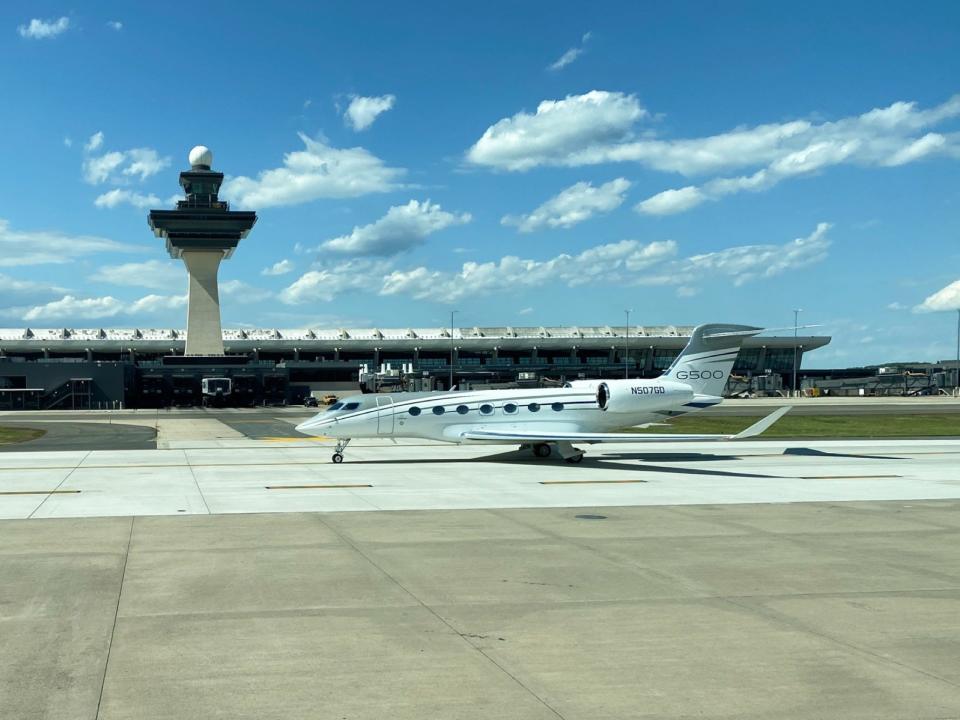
x,y
338,450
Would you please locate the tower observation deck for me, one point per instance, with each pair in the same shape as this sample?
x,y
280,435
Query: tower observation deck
x,y
202,231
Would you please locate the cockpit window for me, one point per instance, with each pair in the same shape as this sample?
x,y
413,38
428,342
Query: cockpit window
x,y
335,406
351,406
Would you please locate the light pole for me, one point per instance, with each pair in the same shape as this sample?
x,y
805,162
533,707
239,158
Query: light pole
x,y
452,313
626,354
796,316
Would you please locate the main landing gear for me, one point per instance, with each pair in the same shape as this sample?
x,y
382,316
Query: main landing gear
x,y
567,451
338,450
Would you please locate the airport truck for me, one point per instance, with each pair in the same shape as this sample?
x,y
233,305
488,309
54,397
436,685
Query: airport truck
x,y
216,391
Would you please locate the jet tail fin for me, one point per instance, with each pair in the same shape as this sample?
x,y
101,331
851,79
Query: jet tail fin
x,y
705,363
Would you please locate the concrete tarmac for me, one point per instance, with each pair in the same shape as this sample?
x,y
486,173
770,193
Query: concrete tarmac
x,y
796,611
250,578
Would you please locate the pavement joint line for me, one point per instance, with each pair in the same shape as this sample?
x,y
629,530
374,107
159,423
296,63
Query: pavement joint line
x,y
761,610
803,540
116,614
59,485
196,482
864,651
439,617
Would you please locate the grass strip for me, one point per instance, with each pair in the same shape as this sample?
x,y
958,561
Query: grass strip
x,y
10,435
821,426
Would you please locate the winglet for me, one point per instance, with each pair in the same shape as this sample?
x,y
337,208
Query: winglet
x,y
762,425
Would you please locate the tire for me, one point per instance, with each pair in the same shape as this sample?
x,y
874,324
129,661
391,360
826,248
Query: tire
x,y
337,458
541,450
575,459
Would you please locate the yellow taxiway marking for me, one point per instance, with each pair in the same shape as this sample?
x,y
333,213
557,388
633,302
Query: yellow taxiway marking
x,y
183,465
847,477
589,482
39,492
314,487
313,438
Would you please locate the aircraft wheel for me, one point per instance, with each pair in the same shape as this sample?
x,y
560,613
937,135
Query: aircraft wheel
x,y
575,459
541,450
337,458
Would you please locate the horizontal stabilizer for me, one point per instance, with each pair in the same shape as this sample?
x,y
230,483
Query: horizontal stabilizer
x,y
763,424
735,333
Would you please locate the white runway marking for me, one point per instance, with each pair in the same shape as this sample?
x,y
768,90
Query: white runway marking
x,y
248,476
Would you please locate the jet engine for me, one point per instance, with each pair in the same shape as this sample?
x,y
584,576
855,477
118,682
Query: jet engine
x,y
630,396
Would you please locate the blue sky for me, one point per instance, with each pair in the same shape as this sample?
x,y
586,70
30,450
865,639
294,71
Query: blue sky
x,y
523,163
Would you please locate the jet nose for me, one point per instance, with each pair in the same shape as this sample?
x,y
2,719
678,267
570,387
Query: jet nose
x,y
309,426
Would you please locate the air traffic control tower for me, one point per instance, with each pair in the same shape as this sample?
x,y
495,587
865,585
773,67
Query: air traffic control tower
x,y
202,231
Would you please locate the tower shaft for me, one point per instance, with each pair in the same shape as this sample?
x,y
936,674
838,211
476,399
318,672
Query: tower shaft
x,y
204,333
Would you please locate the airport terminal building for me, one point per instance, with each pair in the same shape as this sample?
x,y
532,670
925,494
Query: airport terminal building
x,y
142,368
68,368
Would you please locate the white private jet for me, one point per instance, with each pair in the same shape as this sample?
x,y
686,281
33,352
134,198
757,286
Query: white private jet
x,y
552,419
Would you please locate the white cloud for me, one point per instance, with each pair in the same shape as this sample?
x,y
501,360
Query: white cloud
x,y
561,132
403,227
610,264
327,283
95,141
570,55
362,111
12,285
117,196
115,25
744,263
71,307
278,268
144,162
525,311
600,127
573,205
929,143
671,201
318,171
240,292
120,166
40,29
155,274
624,263
42,247
98,169
156,303
68,142
896,306
947,298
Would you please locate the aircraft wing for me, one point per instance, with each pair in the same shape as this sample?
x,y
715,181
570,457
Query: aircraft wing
x,y
546,436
